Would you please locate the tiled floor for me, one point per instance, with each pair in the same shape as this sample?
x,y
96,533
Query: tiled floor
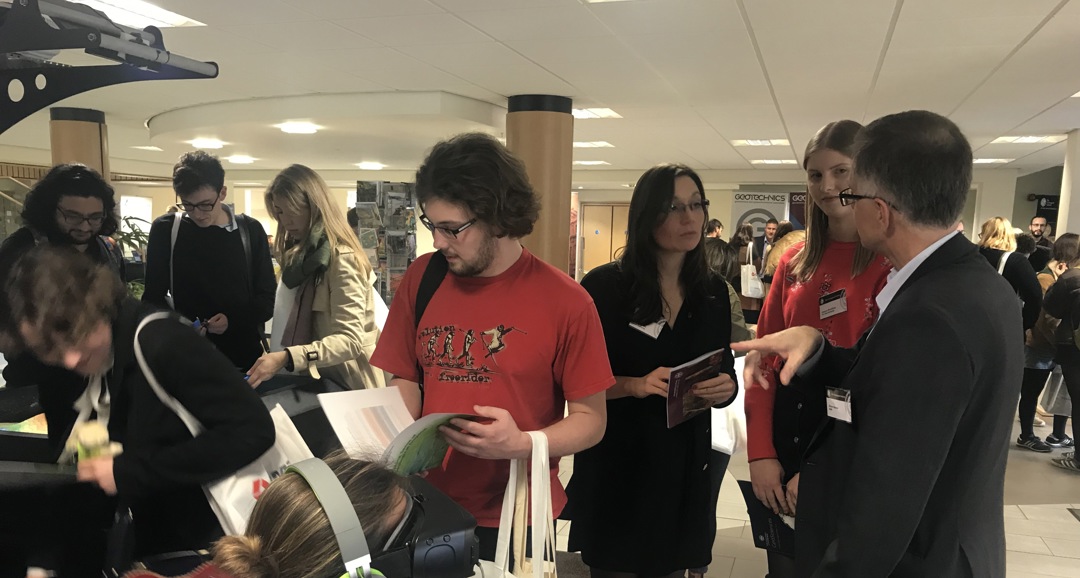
x,y
1043,537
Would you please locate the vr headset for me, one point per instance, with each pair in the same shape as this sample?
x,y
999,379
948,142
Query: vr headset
x,y
436,536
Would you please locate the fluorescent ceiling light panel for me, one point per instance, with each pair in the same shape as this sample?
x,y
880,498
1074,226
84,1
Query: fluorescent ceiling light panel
x,y
992,161
241,159
371,166
774,142
596,144
591,163
149,148
139,14
1051,139
1077,95
206,143
587,113
774,162
298,127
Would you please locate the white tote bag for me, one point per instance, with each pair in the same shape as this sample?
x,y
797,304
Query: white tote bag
x,y
751,285
233,498
728,428
515,519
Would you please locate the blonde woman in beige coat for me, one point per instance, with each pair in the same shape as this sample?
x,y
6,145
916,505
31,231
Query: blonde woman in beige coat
x,y
324,317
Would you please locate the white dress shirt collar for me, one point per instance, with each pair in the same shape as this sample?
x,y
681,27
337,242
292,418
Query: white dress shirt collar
x,y
898,278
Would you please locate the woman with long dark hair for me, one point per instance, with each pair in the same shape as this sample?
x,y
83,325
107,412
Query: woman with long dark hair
x,y
829,282
640,498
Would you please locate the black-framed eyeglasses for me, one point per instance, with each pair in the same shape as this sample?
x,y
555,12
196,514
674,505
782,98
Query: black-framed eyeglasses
x,y
692,207
205,206
74,219
848,198
451,232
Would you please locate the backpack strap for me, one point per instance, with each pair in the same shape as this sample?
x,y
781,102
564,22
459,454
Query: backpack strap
x,y
434,274
433,277
242,222
1003,261
177,217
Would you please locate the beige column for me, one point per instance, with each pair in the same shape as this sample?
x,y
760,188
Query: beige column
x,y
79,135
1068,211
540,131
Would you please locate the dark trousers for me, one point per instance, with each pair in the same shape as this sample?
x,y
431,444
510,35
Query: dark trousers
x,y
1068,357
1030,390
718,463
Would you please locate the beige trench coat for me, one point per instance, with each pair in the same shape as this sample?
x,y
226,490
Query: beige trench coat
x,y
343,326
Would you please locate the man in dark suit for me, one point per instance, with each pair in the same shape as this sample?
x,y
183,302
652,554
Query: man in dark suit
x,y
1043,246
906,478
762,243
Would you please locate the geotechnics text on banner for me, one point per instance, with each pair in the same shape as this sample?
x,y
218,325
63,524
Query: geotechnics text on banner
x,y
758,208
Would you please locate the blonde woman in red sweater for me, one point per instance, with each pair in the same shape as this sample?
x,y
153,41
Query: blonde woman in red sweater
x,y
828,282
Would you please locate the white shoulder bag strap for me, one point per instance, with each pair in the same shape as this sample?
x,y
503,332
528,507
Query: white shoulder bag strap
x,y
170,297
190,421
1001,263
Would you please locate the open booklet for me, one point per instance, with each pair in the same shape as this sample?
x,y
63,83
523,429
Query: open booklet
x,y
376,422
681,404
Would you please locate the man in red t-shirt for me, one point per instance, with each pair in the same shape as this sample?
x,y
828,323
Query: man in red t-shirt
x,y
505,336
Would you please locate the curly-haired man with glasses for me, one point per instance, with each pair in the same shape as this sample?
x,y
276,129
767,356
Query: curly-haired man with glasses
x,y
505,336
70,206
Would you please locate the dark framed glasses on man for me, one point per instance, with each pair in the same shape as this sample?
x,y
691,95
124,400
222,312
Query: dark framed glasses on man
x,y
451,232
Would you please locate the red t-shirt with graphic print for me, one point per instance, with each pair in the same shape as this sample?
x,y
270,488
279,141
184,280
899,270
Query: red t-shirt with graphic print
x,y
526,341
791,304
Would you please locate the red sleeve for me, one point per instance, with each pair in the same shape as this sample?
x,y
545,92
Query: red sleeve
x,y
395,352
759,401
581,365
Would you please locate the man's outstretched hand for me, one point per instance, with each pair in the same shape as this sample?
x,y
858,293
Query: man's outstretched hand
x,y
793,346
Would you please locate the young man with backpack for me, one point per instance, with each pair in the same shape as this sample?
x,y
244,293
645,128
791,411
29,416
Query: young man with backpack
x,y
210,264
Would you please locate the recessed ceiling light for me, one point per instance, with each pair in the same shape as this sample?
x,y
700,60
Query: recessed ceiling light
x,y
1028,139
149,148
206,143
591,163
628,186
371,166
774,142
596,144
241,159
579,188
292,127
586,113
992,161
774,162
139,14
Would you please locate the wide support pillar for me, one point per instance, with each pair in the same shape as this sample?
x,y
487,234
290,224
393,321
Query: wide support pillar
x,y
79,135
540,131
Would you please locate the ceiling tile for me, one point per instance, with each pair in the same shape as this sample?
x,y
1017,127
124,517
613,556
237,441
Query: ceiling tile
x,y
419,30
570,21
346,9
674,17
237,12
300,36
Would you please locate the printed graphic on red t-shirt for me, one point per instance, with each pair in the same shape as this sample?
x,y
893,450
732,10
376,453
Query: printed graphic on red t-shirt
x,y
474,358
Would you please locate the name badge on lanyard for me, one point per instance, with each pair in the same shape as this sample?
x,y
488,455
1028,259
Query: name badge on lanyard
x,y
838,403
832,304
